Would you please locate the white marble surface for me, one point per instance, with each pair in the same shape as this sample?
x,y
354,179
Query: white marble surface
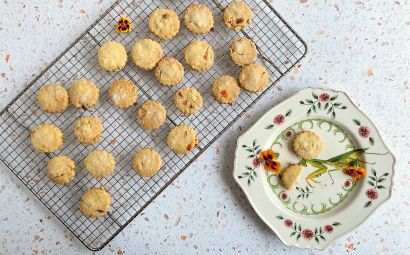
x,y
361,47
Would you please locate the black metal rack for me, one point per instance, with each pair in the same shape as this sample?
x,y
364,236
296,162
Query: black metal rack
x,y
280,49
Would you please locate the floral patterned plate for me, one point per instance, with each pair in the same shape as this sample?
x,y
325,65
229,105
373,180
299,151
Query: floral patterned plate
x,y
337,191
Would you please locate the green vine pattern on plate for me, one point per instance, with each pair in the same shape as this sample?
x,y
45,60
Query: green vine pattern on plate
x,y
363,131
318,233
250,172
323,102
376,185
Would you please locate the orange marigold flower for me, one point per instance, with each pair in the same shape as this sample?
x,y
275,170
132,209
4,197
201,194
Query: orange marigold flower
x,y
267,155
124,25
272,166
355,172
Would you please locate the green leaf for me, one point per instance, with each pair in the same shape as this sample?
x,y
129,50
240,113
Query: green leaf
x,y
333,114
336,223
357,122
337,104
252,178
269,126
323,238
344,107
381,187
368,203
256,147
315,231
385,174
298,188
249,150
245,173
299,196
321,230
307,189
279,217
314,108
254,143
300,227
373,172
254,174
292,234
251,156
244,146
301,102
370,183
258,151
371,140
298,237
372,178
333,98
309,111
317,239
249,182
330,109
314,96
248,167
294,226
382,179
309,101
326,105
288,112
240,176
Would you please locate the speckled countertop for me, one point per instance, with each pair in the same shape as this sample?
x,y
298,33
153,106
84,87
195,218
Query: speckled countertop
x,y
361,47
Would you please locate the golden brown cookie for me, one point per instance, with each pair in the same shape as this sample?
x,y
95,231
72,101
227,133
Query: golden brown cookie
x,y
164,23
147,162
253,78
151,115
169,71
290,176
237,15
307,145
99,163
61,169
123,93
112,56
188,100
199,56
84,94
199,19
88,129
95,202
225,89
243,51
146,54
47,138
53,98
182,139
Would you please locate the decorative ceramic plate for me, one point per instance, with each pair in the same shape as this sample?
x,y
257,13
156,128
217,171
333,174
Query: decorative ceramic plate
x,y
328,200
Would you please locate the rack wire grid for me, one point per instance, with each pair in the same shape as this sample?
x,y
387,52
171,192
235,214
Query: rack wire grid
x,y
280,49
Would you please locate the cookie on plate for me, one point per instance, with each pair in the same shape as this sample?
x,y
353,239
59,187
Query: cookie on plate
x,y
123,93
146,54
99,163
253,78
84,94
243,51
188,100
61,169
225,89
112,56
95,202
291,175
147,162
151,115
182,139
307,145
53,98
169,71
199,19
237,15
164,23
88,129
199,56
47,138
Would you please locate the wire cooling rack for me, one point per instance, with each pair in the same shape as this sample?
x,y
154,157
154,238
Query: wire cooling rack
x,y
280,48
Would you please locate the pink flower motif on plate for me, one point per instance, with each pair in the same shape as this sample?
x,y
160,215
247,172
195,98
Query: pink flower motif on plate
x,y
307,234
288,223
364,131
279,119
324,97
372,194
328,228
347,184
288,134
256,162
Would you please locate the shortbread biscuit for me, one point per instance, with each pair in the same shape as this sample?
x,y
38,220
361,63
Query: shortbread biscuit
x,y
290,176
147,162
112,56
53,98
88,129
99,163
243,51
123,93
253,78
199,19
47,138
169,71
237,15
182,139
164,23
307,145
151,115
84,94
225,89
61,169
199,56
188,100
95,202
146,54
